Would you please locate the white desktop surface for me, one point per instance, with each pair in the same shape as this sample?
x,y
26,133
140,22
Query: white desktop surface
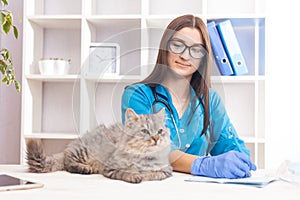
x,y
63,185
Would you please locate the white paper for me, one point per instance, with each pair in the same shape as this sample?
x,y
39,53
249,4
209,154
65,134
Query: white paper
x,y
253,181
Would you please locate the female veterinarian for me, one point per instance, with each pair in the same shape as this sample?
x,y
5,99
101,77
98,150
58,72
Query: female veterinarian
x,y
204,141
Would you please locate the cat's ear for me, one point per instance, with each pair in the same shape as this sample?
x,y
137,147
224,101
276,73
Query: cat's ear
x,y
161,113
131,115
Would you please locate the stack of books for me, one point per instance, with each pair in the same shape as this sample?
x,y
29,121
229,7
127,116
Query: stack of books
x,y
226,49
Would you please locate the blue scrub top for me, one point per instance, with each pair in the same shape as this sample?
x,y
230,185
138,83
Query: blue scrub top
x,y
185,135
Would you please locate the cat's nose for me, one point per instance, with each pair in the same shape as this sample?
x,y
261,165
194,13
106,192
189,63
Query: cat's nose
x,y
155,138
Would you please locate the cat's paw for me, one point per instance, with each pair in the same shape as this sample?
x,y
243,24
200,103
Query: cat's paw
x,y
122,175
157,175
167,171
163,175
133,178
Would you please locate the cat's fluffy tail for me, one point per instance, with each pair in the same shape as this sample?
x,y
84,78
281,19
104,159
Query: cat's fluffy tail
x,y
39,162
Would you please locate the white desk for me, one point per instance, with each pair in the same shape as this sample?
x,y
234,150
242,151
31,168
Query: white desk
x,y
63,185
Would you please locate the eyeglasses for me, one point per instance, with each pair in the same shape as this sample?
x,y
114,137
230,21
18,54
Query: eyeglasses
x,y
177,46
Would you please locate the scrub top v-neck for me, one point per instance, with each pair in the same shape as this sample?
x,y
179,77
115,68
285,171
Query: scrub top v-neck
x,y
186,131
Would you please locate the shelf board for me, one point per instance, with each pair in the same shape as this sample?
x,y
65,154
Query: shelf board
x,y
54,78
134,78
168,16
115,21
237,16
236,79
67,136
57,21
108,17
113,78
159,21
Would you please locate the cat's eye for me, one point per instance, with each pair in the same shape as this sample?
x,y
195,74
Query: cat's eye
x,y
146,131
160,131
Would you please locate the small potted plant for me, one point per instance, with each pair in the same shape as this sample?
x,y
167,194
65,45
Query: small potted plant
x,y
61,66
54,66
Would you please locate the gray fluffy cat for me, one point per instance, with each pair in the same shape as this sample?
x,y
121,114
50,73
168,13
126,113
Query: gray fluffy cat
x,y
135,152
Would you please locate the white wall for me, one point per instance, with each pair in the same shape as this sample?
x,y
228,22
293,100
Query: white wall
x,y
283,89
10,100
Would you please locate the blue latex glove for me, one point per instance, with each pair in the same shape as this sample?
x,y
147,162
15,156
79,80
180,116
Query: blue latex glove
x,y
231,165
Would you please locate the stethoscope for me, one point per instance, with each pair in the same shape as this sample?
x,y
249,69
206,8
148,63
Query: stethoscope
x,y
167,105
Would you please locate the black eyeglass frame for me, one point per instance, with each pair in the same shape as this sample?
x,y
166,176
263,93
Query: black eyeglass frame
x,y
185,47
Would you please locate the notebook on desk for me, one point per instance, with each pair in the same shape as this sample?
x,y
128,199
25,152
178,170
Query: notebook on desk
x,y
251,181
287,171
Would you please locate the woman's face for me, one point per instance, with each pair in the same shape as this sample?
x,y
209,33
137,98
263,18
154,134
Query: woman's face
x,y
183,64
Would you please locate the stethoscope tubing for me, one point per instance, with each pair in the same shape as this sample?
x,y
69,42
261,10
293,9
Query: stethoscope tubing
x,y
167,105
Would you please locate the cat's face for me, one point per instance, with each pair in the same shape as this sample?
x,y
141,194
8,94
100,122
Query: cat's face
x,y
148,132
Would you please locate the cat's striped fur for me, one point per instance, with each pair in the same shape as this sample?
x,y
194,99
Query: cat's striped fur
x,y
135,152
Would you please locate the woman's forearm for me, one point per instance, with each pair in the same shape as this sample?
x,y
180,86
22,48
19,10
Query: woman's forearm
x,y
181,161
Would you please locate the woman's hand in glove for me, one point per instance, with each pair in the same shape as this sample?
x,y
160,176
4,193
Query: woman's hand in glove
x,y
231,165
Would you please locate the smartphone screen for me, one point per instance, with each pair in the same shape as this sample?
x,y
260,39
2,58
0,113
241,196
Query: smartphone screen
x,y
8,182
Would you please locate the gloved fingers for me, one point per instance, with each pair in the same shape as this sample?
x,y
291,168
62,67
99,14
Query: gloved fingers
x,y
245,159
238,173
232,173
250,165
236,167
243,170
253,167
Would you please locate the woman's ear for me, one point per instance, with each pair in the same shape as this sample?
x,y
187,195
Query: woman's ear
x,y
131,115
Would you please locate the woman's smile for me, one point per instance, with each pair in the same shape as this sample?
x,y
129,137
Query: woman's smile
x,y
183,64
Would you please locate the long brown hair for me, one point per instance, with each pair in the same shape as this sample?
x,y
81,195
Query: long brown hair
x,y
200,81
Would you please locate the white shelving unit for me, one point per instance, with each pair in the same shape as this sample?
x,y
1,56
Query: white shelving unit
x,y
58,109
